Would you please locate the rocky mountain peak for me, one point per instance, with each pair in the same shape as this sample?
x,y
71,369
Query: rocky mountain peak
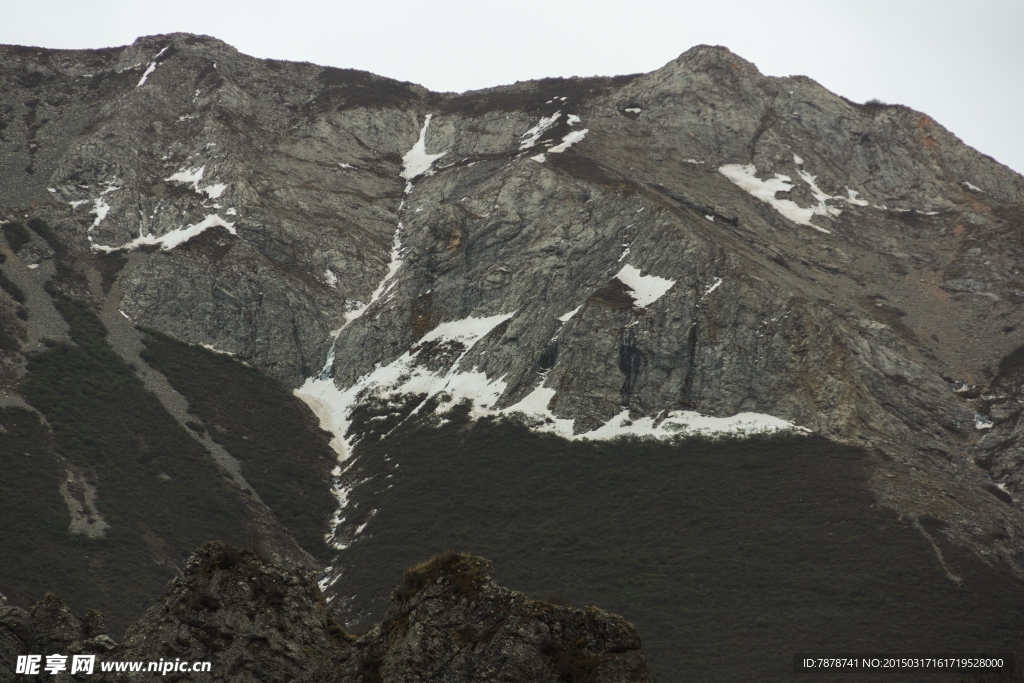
x,y
711,58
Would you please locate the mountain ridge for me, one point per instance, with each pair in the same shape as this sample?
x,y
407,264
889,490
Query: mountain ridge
x,y
655,254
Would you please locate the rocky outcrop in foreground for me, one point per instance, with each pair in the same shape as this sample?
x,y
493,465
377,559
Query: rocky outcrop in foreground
x,y
256,620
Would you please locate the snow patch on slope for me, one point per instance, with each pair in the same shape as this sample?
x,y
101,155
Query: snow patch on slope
x,y
568,316
416,161
393,266
331,278
151,68
101,209
404,375
746,178
100,206
669,424
569,140
192,176
183,234
646,288
765,190
530,137
718,281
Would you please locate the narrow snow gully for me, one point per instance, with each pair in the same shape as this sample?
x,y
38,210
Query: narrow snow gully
x,y
415,163
332,406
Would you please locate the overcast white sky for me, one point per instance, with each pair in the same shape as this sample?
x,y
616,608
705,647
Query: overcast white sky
x,y
960,62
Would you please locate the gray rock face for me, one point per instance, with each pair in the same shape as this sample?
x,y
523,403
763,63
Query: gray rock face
x,y
448,621
49,628
255,620
832,264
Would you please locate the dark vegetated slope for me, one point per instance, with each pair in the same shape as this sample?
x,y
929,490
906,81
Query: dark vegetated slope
x,y
1011,367
539,97
35,546
351,88
729,556
42,228
285,455
17,236
158,489
11,330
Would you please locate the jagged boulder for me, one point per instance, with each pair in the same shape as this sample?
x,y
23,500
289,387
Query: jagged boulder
x,y
256,620
48,628
448,621
252,618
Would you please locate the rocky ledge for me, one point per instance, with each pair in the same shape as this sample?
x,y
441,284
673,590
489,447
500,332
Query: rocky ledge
x,y
257,620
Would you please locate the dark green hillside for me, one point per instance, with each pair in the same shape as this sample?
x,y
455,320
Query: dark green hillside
x,y
285,455
728,556
36,552
157,488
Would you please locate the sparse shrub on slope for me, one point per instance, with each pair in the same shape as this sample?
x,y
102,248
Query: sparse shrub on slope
x,y
728,555
285,455
157,488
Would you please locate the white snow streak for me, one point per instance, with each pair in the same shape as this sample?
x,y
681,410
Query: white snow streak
x,y
712,288
569,140
177,237
531,136
416,161
393,266
214,191
765,190
565,318
851,196
675,423
101,209
192,176
151,69
210,347
404,376
746,178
